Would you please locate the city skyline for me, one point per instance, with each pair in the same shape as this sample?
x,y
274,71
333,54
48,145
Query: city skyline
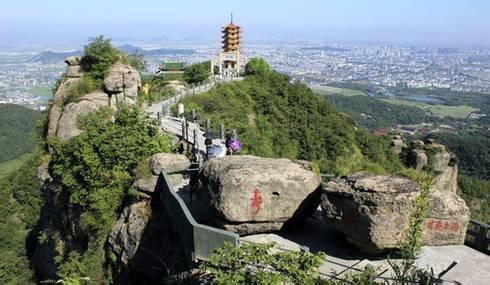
x,y
437,23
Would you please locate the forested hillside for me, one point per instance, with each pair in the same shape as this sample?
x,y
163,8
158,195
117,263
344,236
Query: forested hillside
x,y
377,114
21,202
17,130
276,118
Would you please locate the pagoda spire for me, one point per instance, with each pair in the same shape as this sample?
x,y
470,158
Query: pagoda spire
x,y
231,18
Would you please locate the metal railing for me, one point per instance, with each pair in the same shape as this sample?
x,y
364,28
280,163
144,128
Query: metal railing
x,y
200,240
478,236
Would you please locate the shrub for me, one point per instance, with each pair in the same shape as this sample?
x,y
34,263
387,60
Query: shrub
x,y
254,264
98,57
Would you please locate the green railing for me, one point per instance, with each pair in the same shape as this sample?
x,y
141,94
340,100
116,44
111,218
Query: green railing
x,y
199,239
478,236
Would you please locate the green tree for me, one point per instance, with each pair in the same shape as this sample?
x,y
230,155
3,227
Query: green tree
x,y
258,67
98,57
197,72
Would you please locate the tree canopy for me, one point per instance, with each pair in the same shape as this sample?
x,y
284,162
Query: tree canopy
x,y
17,130
197,72
258,67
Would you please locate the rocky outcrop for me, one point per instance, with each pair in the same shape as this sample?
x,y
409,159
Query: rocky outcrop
x,y
253,195
120,87
122,83
144,236
434,157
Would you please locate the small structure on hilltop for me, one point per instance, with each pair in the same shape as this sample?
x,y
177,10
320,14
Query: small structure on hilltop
x,y
229,63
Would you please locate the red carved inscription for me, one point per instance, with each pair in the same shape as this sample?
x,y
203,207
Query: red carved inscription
x,y
256,201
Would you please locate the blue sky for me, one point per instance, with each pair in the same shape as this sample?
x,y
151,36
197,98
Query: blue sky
x,y
437,22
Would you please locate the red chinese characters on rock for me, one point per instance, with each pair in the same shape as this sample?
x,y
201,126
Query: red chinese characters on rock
x,y
256,201
442,226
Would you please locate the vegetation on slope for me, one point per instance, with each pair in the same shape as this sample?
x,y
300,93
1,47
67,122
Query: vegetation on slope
x,y
17,130
276,118
21,200
95,172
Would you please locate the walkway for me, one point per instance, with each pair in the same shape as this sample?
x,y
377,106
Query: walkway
x,y
455,263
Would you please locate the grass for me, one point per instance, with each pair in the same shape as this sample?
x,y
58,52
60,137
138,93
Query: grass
x,y
461,111
329,90
10,165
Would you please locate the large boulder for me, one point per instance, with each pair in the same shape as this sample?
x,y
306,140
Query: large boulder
x,y
252,194
373,211
122,83
170,162
370,210
447,219
68,122
73,60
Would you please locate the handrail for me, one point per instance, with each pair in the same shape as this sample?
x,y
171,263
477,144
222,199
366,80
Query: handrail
x,y
201,240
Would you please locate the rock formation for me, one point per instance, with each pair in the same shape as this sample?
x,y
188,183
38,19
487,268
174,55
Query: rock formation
x,y
397,144
121,86
373,210
252,195
140,222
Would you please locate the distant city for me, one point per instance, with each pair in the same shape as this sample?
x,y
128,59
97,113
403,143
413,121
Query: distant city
x,y
26,77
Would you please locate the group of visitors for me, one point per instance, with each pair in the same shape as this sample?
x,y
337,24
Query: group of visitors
x,y
231,146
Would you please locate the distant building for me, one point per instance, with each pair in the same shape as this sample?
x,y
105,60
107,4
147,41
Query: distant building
x,y
229,63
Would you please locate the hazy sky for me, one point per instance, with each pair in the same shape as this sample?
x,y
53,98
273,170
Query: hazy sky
x,y
438,22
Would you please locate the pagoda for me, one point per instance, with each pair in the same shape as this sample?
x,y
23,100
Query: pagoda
x,y
229,63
